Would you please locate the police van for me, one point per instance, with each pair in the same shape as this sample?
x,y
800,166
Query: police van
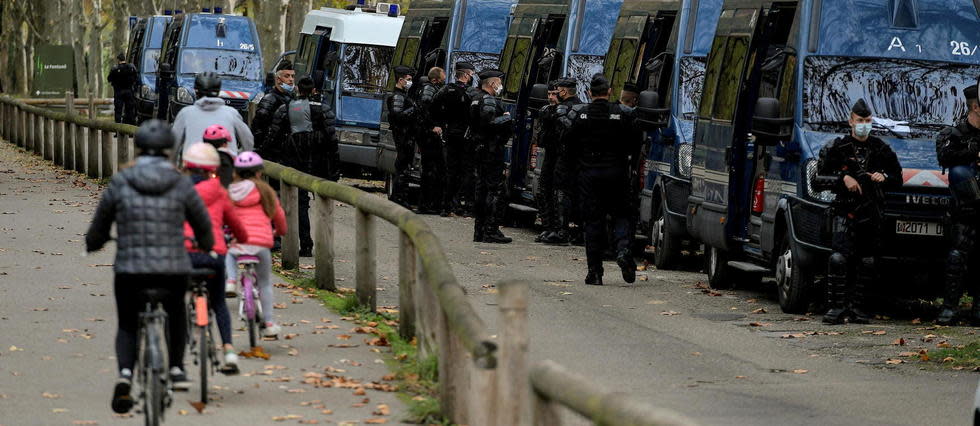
x,y
441,33
547,39
145,41
662,46
348,54
227,45
780,80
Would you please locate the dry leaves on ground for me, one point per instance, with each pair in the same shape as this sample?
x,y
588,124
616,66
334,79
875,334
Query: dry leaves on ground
x,y
670,313
800,371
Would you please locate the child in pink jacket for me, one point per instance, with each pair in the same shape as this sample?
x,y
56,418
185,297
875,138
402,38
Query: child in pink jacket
x,y
256,205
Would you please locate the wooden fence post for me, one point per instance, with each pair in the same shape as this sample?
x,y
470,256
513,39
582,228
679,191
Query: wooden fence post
x,y
482,394
323,247
426,319
94,142
447,379
81,154
49,139
366,275
29,130
35,132
122,150
289,195
545,411
58,127
19,128
108,154
407,276
69,133
513,387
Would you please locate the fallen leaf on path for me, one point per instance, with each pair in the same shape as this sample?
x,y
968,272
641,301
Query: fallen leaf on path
x,y
643,278
287,417
760,324
49,395
359,392
84,422
893,361
327,412
377,341
740,377
40,309
759,311
899,341
291,336
388,377
343,337
279,306
656,302
917,321
670,313
800,371
309,422
943,345
949,359
376,421
59,410
198,405
874,332
297,390
293,352
255,352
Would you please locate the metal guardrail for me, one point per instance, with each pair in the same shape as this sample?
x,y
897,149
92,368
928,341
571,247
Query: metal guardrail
x,y
479,383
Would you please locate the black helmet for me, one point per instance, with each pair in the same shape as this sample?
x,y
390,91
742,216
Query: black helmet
x,y
207,84
154,136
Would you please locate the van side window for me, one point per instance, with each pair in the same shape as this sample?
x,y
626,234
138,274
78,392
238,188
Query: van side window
x,y
715,61
305,54
730,78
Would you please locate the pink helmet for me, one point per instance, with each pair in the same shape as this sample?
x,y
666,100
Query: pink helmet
x,y
216,135
248,160
201,156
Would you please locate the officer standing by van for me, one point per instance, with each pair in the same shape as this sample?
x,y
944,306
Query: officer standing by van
x,y
490,128
281,94
958,149
599,136
431,146
452,105
402,116
123,77
546,137
858,168
570,196
309,144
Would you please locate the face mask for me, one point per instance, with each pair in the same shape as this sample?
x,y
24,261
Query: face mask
x,y
408,84
499,90
862,130
287,87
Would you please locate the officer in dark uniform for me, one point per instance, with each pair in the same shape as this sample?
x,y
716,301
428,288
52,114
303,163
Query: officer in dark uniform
x,y
545,137
309,144
451,106
599,138
958,149
124,78
402,116
570,197
281,94
431,146
490,128
858,168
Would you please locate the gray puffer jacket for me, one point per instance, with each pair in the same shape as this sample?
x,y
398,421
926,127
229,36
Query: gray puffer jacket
x,y
149,203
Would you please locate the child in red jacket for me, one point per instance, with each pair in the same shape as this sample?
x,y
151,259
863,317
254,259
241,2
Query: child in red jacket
x,y
200,161
256,204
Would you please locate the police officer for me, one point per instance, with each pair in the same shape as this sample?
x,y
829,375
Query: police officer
x,y
451,109
281,94
599,137
124,78
431,146
567,170
545,137
402,116
559,171
858,168
309,144
958,149
490,128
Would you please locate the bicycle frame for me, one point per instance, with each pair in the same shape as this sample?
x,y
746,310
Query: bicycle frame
x,y
152,363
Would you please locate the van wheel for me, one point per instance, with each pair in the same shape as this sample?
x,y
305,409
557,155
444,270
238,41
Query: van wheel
x,y
794,283
719,273
666,246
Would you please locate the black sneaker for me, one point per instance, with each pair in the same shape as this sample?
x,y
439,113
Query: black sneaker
x,y
627,265
122,401
593,278
178,380
835,316
496,237
306,252
554,239
858,316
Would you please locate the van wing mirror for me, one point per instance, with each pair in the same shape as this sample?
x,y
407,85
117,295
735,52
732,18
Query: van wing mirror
x,y
538,97
650,114
767,126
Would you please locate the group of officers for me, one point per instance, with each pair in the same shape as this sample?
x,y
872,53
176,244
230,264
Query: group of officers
x,y
585,175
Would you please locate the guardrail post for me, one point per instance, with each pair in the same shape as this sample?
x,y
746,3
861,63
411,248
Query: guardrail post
x,y
4,108
92,165
407,277
19,127
80,151
122,150
447,379
545,411
513,387
108,156
365,261
427,317
32,142
323,247
28,130
49,139
69,133
290,242
58,127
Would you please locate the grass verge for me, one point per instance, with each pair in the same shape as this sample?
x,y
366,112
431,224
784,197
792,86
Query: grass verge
x,y
960,357
417,379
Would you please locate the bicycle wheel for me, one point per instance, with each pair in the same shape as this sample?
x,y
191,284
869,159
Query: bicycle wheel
x,y
153,384
204,361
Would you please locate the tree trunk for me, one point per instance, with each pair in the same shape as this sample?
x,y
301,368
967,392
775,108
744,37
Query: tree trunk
x,y
268,16
295,14
76,35
120,27
96,73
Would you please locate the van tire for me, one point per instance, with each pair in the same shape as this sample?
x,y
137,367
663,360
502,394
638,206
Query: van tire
x,y
794,283
667,247
716,266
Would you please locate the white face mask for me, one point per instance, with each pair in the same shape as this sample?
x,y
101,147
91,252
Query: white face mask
x,y
408,84
862,130
498,90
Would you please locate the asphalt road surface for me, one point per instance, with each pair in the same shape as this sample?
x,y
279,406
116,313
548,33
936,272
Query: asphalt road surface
x,y
726,357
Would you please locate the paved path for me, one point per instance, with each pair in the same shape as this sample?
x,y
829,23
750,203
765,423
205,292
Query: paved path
x,y
58,325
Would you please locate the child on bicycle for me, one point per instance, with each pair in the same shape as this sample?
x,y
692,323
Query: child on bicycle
x,y
218,136
256,204
200,162
149,202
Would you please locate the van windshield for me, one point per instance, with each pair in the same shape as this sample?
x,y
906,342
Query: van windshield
x,y
691,85
150,60
908,98
366,68
226,63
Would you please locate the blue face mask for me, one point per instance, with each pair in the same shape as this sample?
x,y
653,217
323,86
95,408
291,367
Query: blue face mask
x,y
287,87
862,130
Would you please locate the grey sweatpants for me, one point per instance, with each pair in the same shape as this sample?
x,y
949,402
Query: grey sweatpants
x,y
264,272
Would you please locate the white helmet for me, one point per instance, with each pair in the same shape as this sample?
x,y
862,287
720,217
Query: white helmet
x,y
201,156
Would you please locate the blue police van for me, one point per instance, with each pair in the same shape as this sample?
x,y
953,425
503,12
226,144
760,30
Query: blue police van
x,y
547,39
145,41
227,45
663,46
779,83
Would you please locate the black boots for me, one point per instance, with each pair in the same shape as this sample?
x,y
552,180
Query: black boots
x,y
551,238
836,290
493,235
594,277
626,264
857,299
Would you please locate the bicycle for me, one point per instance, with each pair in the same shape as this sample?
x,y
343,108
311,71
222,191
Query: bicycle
x,y
247,306
200,334
151,368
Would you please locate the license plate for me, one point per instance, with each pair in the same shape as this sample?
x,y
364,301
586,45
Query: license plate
x,y
908,227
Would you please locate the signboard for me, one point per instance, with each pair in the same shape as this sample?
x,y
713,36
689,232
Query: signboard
x,y
54,71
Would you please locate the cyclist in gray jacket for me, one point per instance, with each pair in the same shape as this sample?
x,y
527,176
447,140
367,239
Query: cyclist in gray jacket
x,y
149,203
